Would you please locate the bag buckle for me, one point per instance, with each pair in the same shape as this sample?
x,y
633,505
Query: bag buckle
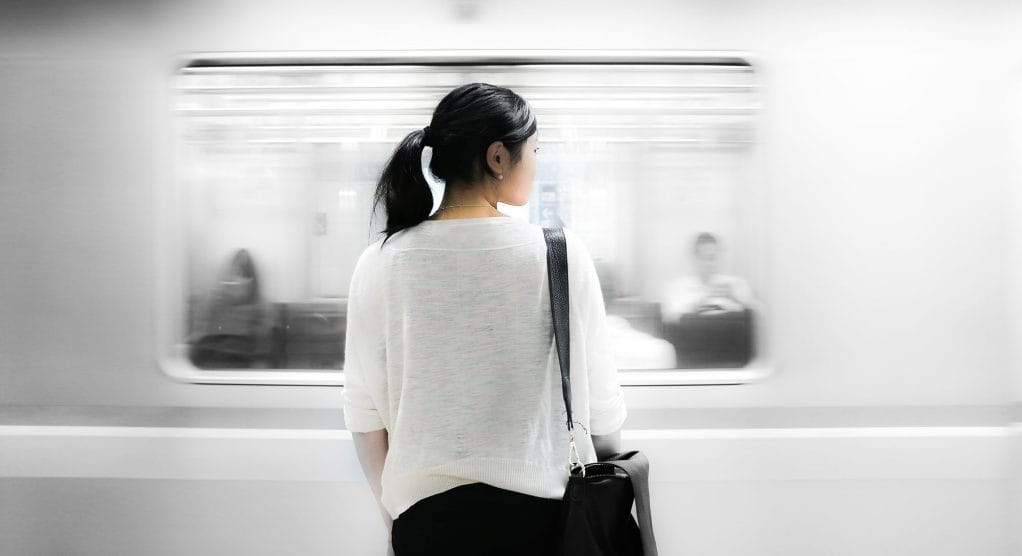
x,y
574,461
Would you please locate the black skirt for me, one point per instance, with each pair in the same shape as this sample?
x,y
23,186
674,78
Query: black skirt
x,y
477,519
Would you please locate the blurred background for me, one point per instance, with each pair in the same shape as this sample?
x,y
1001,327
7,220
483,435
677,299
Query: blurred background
x,y
805,217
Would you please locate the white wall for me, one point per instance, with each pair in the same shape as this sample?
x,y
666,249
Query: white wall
x,y
887,159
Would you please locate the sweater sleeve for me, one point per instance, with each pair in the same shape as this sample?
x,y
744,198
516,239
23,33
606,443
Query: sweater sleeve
x,y
607,411
362,364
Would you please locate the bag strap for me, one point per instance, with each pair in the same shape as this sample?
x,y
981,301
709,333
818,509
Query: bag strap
x,y
635,464
557,273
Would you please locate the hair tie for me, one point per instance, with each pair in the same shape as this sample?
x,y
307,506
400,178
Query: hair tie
x,y
426,137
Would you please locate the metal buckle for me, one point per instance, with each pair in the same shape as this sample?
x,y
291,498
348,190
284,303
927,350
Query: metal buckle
x,y
575,465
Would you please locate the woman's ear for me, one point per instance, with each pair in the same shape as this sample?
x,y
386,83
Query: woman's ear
x,y
496,157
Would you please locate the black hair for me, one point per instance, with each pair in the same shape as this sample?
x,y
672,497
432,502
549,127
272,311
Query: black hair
x,y
704,238
466,121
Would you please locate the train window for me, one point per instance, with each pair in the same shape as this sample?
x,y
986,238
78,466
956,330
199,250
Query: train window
x,y
649,157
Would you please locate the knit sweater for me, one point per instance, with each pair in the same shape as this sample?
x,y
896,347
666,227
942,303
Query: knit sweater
x,y
450,348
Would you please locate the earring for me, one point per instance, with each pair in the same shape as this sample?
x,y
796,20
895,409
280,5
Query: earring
x,y
500,176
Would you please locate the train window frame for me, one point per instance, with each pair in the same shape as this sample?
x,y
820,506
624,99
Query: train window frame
x,y
171,285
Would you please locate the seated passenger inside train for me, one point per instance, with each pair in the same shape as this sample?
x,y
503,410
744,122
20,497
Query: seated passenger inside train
x,y
708,290
233,327
708,316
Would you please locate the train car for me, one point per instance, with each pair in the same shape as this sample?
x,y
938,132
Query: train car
x,y
186,188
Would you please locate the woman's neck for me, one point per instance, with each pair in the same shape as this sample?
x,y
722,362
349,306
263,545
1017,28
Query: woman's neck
x,y
457,213
471,204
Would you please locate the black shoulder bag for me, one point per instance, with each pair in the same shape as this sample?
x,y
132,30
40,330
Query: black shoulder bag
x,y
596,518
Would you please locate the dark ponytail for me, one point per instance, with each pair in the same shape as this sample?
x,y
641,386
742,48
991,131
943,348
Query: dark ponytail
x,y
403,187
466,121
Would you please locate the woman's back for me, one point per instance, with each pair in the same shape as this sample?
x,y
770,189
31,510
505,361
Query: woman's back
x,y
450,348
452,386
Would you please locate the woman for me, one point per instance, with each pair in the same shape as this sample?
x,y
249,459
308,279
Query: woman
x,y
452,385
232,330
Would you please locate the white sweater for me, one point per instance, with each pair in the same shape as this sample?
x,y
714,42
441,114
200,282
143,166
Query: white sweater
x,y
450,347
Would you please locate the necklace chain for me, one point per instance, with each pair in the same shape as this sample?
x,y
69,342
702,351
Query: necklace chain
x,y
453,205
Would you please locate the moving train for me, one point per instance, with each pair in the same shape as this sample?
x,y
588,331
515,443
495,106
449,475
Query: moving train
x,y
186,188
